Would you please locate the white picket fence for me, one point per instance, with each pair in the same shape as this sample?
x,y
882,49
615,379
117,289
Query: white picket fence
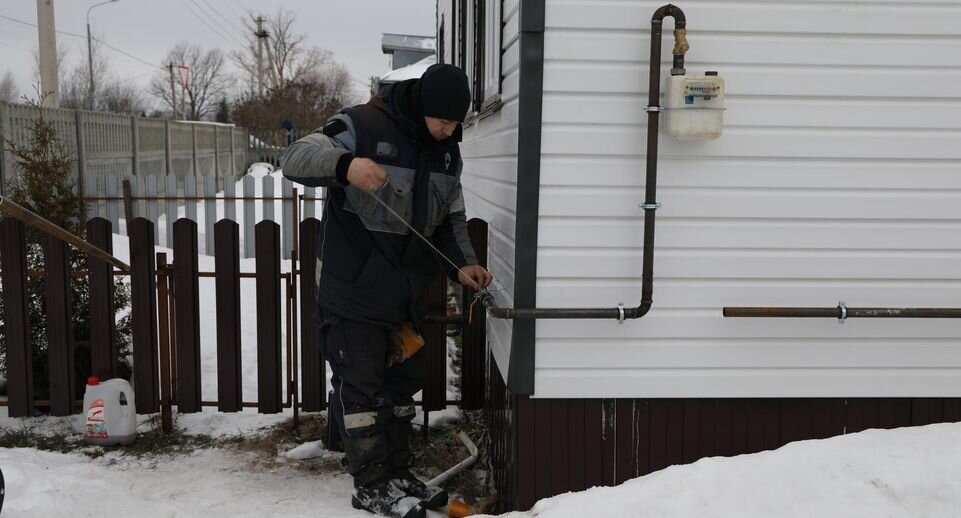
x,y
266,197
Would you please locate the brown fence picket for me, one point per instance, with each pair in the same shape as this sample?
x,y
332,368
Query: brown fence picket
x,y
227,265
56,257
187,315
13,260
474,336
268,317
103,340
435,347
143,314
312,368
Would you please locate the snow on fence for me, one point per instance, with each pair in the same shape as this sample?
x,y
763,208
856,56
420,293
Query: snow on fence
x,y
199,199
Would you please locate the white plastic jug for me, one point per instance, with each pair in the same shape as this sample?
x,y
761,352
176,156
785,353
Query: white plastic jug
x,y
111,417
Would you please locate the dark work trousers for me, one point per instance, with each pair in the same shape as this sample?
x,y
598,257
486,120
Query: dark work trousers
x,y
372,405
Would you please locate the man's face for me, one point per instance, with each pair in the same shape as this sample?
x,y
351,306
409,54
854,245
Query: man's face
x,y
440,129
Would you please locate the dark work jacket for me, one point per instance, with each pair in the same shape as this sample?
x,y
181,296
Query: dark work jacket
x,y
371,268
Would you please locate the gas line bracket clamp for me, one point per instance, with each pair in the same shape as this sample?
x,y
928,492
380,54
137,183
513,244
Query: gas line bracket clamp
x,y
843,307
652,109
620,312
650,206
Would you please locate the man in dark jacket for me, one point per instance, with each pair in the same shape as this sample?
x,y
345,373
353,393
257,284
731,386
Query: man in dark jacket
x,y
392,164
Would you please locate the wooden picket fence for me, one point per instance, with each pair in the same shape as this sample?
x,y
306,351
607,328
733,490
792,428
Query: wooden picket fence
x,y
162,200
166,324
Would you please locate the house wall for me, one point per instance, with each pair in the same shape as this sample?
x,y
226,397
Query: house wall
x,y
489,149
838,177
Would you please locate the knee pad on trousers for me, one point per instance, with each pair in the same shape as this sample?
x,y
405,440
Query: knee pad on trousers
x,y
404,412
365,423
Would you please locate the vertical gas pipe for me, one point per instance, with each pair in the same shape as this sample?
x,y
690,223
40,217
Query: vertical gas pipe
x,y
650,204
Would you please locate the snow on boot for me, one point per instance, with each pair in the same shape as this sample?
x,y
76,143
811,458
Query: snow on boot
x,y
386,499
431,497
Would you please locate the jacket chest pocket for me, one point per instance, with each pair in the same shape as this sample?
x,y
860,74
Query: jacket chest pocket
x,y
396,194
443,194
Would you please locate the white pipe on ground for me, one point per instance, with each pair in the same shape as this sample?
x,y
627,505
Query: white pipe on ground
x,y
471,447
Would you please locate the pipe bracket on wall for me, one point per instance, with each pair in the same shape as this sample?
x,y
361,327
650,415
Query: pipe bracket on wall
x,y
844,312
650,206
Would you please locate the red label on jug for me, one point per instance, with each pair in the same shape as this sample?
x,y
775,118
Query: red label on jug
x,y
96,428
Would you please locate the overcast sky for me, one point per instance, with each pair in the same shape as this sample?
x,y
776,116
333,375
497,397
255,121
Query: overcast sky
x,y
147,29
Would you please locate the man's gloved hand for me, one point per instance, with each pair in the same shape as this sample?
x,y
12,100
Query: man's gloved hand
x,y
474,276
366,175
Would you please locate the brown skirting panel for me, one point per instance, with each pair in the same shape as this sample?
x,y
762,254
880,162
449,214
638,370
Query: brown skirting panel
x,y
544,447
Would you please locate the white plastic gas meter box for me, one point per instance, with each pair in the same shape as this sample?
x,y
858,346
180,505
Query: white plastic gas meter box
x,y
695,106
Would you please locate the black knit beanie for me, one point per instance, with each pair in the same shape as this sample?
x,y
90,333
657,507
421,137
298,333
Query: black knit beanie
x,y
444,92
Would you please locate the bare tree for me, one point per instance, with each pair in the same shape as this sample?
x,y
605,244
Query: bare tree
x,y
75,81
119,96
8,88
208,82
304,104
287,58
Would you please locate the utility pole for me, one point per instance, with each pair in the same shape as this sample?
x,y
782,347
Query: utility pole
x,y
173,91
261,35
271,69
49,83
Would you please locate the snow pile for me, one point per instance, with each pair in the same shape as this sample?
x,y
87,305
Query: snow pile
x,y
909,472
411,71
308,450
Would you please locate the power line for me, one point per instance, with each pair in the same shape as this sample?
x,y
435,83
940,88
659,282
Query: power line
x,y
201,20
28,24
98,40
226,30
224,18
131,56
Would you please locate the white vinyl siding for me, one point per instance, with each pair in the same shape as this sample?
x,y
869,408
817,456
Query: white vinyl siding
x,y
489,149
838,177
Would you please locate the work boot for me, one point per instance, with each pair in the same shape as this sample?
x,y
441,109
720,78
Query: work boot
x,y
386,499
367,458
431,497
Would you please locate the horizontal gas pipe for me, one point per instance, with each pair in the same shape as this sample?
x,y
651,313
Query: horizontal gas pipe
x,y
650,199
842,312
30,218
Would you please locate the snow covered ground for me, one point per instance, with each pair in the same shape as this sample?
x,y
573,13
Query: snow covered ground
x,y
910,472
